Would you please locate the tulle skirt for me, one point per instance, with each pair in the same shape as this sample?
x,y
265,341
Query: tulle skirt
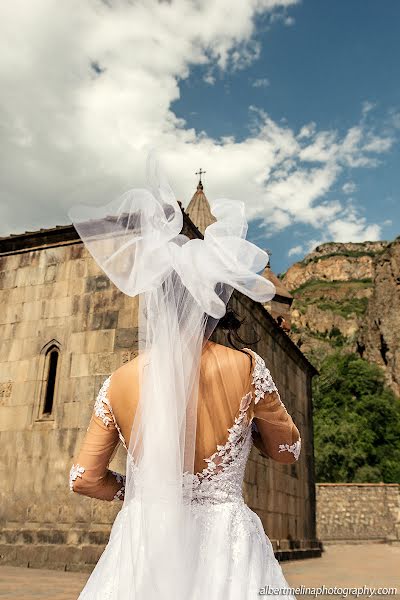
x,y
236,559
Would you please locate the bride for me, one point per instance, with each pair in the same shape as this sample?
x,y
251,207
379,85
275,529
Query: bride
x,y
186,409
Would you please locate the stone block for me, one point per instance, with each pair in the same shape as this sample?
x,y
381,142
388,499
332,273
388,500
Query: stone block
x,y
16,295
8,554
78,321
71,415
64,271
103,320
56,289
24,370
23,394
28,555
11,314
57,307
104,513
8,330
5,392
79,269
10,262
80,365
128,317
126,338
97,283
65,554
77,251
14,418
77,390
29,276
76,509
126,356
108,300
88,342
93,268
7,279
50,274
91,554
102,363
76,287
15,350
33,311
51,256
31,347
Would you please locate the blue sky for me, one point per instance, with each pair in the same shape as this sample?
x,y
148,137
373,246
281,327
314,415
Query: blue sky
x,y
292,106
325,67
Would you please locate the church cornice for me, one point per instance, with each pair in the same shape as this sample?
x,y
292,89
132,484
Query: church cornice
x,y
63,235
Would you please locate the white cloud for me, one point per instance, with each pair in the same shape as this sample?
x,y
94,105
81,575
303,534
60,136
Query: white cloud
x,y
261,83
87,89
289,21
209,78
367,107
349,187
295,250
307,131
352,227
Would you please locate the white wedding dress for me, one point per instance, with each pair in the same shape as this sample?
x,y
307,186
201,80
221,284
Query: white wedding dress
x,y
236,558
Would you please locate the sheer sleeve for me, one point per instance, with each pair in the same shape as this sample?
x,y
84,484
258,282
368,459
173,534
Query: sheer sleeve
x,y
274,432
89,475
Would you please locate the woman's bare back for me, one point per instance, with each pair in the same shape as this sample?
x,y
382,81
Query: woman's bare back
x,y
224,379
236,390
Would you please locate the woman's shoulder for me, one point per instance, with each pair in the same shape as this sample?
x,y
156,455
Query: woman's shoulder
x,y
242,359
123,376
228,355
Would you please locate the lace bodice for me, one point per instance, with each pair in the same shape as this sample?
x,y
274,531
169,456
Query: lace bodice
x,y
222,479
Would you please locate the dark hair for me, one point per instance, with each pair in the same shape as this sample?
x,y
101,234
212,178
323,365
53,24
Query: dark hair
x,y
231,323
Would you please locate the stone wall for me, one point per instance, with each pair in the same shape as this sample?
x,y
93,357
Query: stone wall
x,y
56,295
282,495
355,512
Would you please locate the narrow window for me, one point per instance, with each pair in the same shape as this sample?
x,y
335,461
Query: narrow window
x,y
51,363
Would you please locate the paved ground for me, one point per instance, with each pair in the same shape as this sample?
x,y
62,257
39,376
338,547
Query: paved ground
x,y
345,566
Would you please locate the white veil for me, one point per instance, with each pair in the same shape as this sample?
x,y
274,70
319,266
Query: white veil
x,y
184,286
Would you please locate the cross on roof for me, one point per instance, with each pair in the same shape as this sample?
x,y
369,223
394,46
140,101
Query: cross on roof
x,y
200,172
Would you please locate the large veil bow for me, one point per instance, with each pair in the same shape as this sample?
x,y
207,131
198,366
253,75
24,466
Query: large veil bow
x,y
183,286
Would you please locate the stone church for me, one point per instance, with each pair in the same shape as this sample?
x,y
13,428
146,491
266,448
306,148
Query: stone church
x,y
64,327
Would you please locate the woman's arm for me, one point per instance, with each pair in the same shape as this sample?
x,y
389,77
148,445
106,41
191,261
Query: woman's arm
x,y
89,474
278,435
274,432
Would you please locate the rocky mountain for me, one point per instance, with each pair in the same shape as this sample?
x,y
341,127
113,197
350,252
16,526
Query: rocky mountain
x,y
379,337
348,294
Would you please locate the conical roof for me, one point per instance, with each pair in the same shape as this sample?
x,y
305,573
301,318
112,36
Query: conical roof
x,y
280,288
199,211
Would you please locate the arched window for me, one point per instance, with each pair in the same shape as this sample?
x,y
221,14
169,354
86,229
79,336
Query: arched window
x,y
51,371
48,380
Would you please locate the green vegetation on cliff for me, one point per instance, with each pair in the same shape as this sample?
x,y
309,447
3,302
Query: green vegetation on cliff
x,y
356,422
345,308
313,285
344,252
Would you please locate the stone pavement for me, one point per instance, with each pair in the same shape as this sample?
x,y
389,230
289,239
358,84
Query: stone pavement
x,y
341,565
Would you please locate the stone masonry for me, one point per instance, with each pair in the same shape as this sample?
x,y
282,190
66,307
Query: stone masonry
x,y
358,512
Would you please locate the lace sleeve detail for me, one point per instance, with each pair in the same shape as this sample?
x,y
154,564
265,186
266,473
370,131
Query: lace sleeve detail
x,y
275,433
102,406
293,448
103,409
262,380
120,494
75,472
